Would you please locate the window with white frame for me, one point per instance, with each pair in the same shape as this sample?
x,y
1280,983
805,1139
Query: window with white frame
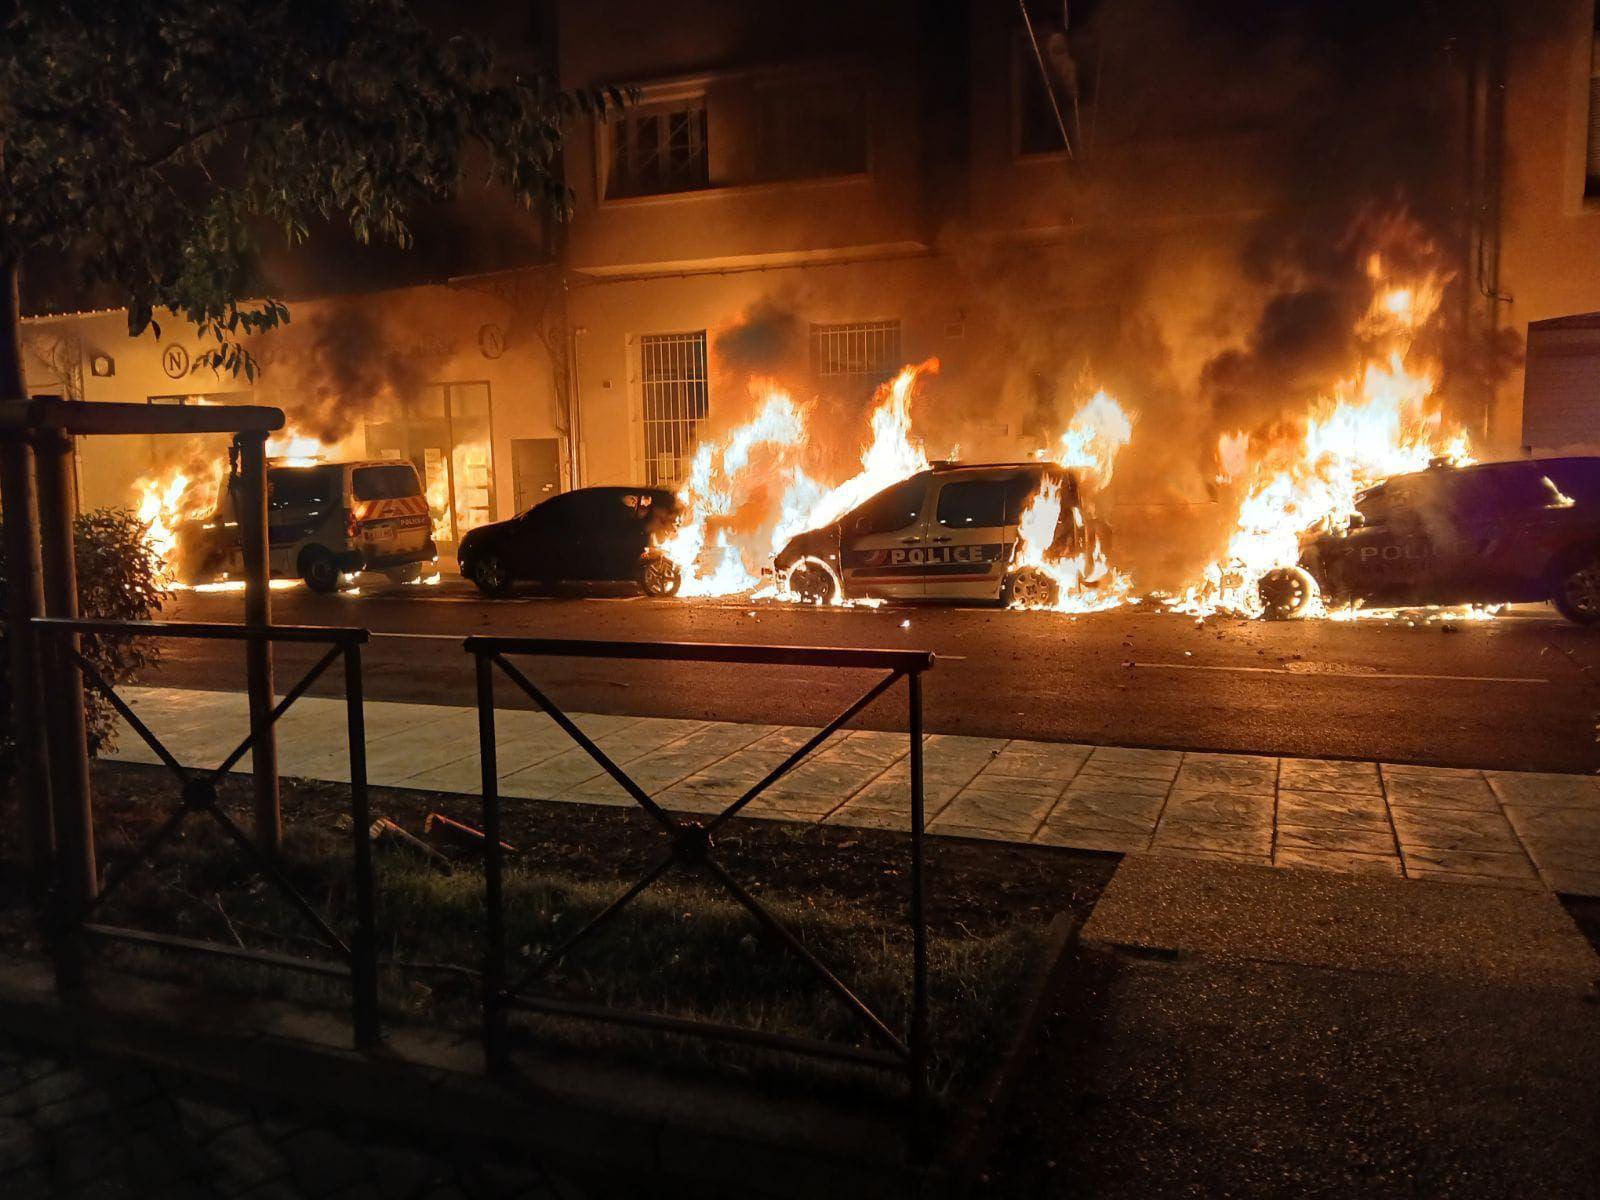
x,y
863,350
658,148
672,374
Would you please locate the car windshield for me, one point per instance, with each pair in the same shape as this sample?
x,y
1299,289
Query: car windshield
x,y
385,483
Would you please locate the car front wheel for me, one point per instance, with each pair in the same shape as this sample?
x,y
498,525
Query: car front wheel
x,y
1286,593
1577,588
660,576
492,575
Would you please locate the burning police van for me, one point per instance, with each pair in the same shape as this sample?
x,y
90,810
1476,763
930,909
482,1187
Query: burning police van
x,y
325,520
1494,533
947,533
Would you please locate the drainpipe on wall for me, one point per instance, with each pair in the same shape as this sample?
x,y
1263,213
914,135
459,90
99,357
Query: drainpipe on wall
x,y
574,411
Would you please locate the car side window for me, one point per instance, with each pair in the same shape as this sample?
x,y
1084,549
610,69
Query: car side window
x,y
890,510
979,504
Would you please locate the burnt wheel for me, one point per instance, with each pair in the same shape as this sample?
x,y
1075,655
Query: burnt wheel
x,y
1286,593
813,583
409,573
1576,592
491,575
660,576
1030,588
318,569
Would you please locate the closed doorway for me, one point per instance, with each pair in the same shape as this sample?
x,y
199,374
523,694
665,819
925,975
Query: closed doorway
x,y
535,470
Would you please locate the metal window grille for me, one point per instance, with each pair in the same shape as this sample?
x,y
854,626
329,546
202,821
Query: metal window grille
x,y
654,152
864,350
673,373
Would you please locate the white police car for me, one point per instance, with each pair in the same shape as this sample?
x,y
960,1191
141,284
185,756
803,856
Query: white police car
x,y
947,533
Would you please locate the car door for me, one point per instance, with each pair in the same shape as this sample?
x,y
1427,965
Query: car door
x,y
967,536
622,531
1388,555
883,551
534,542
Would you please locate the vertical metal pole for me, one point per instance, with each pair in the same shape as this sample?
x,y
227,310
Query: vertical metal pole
x,y
63,686
918,1040
252,513
24,601
364,947
494,958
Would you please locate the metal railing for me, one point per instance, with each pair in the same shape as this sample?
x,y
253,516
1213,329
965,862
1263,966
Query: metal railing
x,y
198,793
692,846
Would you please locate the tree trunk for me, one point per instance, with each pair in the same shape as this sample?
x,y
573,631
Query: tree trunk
x,y
13,380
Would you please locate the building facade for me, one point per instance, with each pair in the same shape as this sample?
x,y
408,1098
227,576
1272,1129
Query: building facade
x,y
815,194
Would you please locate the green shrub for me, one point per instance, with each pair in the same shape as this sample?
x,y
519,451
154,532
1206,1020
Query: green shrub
x,y
119,578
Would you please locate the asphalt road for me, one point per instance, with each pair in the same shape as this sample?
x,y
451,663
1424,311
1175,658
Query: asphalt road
x,y
1519,692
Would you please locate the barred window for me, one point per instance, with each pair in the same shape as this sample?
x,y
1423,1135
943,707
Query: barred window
x,y
673,375
655,151
867,350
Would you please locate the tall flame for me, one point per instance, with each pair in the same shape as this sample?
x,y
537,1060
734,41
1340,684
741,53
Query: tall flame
x,y
1383,422
1083,579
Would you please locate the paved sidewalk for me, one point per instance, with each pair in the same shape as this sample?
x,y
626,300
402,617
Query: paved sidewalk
x,y
1499,828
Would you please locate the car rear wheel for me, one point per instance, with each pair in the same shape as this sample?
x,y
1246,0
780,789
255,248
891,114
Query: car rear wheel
x,y
492,575
1577,588
318,570
1286,593
409,573
1030,588
660,576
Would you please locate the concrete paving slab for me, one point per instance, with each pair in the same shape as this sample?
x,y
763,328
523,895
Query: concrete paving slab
x,y
1321,859
1102,808
1333,810
1532,788
1348,841
1133,764
1215,807
1065,829
1016,814
1452,829
1330,775
1354,922
1487,864
1441,791
1253,841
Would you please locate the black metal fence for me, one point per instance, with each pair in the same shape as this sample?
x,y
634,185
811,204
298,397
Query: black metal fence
x,y
197,793
692,847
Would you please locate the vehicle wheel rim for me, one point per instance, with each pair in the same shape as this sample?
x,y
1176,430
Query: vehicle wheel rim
x,y
812,584
491,572
1583,589
1284,592
660,576
1032,589
323,573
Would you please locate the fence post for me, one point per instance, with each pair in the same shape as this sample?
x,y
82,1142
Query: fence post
x,y
76,873
918,1039
24,601
364,947
494,959
251,507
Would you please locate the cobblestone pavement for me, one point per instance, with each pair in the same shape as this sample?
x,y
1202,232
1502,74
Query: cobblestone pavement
x,y
104,1130
1499,828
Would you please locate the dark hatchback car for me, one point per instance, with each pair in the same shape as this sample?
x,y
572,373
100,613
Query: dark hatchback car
x,y
1495,533
593,534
